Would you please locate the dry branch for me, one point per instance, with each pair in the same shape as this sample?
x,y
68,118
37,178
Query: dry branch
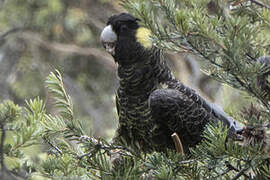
x,y
37,39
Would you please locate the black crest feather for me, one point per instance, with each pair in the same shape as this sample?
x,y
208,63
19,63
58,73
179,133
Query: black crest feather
x,y
123,18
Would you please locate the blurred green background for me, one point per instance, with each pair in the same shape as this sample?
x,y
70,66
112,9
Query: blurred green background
x,y
39,36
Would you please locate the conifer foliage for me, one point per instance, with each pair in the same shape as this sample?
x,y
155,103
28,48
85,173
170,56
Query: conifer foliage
x,y
229,38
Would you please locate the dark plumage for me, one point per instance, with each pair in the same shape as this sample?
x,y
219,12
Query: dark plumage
x,y
148,113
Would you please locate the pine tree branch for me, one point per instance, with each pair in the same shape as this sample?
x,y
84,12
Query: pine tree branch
x,y
251,90
99,144
203,55
63,102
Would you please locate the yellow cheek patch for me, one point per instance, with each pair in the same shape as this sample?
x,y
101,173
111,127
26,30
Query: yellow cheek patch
x,y
143,37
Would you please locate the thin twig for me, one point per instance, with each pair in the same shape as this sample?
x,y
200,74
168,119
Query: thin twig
x,y
231,167
197,51
83,155
241,173
3,136
178,143
223,173
260,4
187,161
100,145
53,146
13,30
39,40
18,175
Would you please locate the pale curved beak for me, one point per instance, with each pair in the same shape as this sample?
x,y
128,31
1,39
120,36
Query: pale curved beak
x,y
108,38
